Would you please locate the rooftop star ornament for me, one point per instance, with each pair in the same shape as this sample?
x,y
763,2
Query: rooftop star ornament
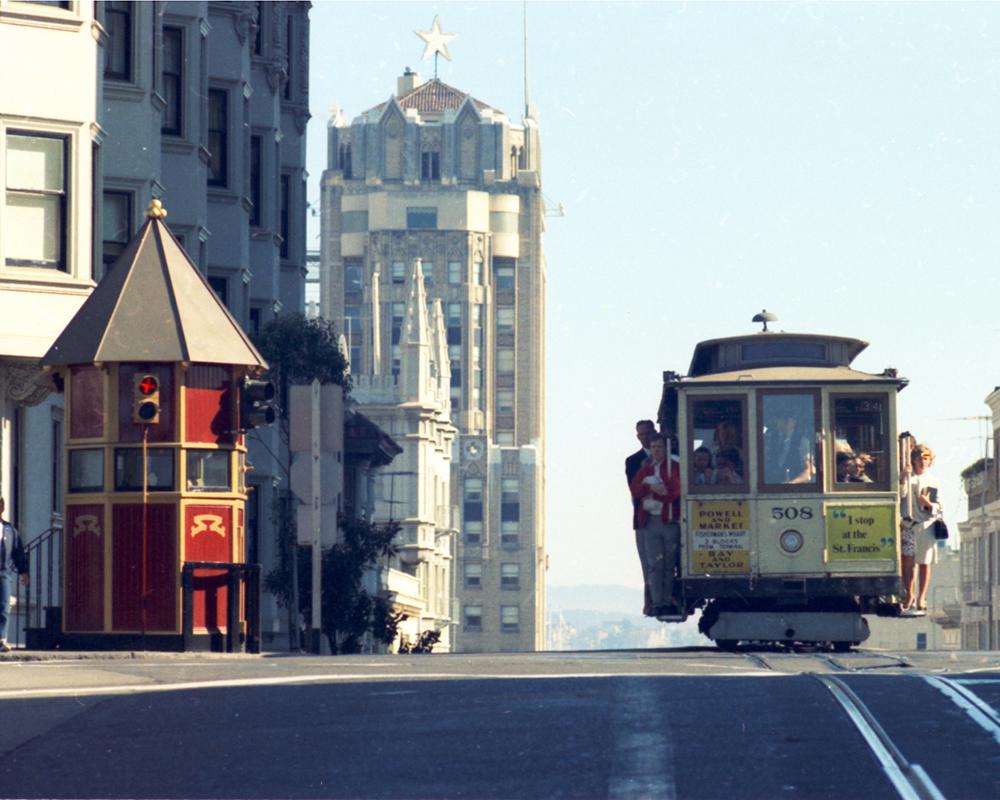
x,y
435,41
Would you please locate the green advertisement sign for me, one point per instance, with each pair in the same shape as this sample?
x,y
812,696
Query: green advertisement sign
x,y
860,533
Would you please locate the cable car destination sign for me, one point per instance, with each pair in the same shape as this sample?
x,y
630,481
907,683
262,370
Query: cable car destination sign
x,y
720,536
860,532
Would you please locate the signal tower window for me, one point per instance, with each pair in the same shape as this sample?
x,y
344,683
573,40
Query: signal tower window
x,y
788,441
208,471
860,454
159,469
717,462
86,470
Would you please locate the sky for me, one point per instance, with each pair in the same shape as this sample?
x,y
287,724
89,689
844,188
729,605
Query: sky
x,y
835,163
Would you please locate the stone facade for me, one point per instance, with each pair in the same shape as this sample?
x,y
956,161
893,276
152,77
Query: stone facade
x,y
413,408
436,175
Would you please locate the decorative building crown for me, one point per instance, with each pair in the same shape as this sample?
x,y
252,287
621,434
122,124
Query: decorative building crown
x,y
156,210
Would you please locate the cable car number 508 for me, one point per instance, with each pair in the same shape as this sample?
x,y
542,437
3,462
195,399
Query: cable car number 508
x,y
791,512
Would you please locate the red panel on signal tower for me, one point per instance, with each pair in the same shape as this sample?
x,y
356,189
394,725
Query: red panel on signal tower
x,y
85,534
86,417
162,581
208,405
208,536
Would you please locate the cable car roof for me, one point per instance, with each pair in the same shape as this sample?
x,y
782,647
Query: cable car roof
x,y
769,349
796,375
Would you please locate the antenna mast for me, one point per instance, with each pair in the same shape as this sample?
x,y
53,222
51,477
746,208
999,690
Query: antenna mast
x,y
527,102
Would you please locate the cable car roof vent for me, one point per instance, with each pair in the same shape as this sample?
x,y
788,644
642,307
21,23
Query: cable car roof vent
x,y
765,316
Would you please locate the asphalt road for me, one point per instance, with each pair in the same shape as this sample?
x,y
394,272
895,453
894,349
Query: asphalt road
x,y
684,724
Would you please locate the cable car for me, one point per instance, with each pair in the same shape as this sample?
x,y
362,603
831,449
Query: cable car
x,y
789,473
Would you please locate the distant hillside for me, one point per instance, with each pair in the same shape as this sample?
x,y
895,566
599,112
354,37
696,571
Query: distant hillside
x,y
603,617
610,599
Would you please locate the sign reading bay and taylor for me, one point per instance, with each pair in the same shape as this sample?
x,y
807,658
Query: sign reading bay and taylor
x,y
720,536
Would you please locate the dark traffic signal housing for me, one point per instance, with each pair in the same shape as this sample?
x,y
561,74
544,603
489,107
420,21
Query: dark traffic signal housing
x,y
145,398
256,404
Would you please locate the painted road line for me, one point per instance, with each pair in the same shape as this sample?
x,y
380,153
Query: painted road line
x,y
642,764
289,680
978,710
910,781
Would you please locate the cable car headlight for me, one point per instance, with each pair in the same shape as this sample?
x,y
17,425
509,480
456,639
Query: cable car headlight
x,y
791,541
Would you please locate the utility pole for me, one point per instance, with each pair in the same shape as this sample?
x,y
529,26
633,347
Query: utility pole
x,y
316,637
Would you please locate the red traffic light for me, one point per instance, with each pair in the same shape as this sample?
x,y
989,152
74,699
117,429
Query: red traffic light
x,y
148,386
145,398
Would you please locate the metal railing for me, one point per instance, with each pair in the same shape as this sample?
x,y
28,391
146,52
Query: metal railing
x,y
35,605
243,582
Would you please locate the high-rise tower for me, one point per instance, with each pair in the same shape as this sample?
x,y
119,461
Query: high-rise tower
x,y
435,174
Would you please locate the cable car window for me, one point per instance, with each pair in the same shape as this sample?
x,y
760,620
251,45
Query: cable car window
x,y
783,352
718,443
788,438
859,443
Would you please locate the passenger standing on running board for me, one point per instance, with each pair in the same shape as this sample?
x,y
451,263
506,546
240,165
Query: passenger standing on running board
x,y
644,431
657,487
920,496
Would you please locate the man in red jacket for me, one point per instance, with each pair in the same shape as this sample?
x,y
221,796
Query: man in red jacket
x,y
657,488
644,431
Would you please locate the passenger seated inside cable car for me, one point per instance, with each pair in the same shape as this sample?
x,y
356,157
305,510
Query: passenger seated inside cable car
x,y
728,468
701,464
859,425
717,441
789,438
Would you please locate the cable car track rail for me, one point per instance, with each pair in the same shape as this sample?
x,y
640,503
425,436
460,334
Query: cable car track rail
x,y
974,706
910,781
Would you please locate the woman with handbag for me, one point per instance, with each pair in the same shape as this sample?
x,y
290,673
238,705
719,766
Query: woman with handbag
x,y
920,495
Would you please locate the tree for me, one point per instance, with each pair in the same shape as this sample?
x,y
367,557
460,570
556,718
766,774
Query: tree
x,y
298,350
349,610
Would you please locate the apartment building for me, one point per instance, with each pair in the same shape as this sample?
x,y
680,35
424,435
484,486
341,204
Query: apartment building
x,y
203,105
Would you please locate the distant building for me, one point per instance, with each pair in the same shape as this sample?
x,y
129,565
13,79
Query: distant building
x,y
437,175
312,284
980,537
941,628
413,408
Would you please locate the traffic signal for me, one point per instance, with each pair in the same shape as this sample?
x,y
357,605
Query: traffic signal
x,y
256,404
145,398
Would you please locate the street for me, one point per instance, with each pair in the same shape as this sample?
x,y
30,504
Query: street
x,y
691,723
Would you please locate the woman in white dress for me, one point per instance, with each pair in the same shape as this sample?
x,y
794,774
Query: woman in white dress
x,y
920,495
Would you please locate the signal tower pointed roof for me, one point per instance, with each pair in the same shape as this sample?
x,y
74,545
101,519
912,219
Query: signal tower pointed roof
x,y
154,305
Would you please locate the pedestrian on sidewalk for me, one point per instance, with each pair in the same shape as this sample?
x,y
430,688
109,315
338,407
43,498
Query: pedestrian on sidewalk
x,y
13,563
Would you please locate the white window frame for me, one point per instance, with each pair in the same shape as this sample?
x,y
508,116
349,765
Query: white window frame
x,y
79,195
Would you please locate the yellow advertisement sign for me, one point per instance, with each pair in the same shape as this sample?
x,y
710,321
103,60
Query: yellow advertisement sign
x,y
860,533
720,536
